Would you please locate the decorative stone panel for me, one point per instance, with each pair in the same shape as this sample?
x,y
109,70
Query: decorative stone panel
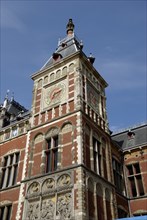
x,y
50,198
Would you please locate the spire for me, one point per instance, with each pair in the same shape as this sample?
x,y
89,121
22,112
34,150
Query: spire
x,y
70,27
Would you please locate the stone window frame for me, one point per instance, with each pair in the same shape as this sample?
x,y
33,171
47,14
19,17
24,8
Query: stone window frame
x,y
9,170
136,187
117,174
52,154
96,155
52,138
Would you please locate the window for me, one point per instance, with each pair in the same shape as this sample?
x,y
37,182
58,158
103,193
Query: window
x,y
14,131
135,180
122,213
96,156
5,212
52,154
117,172
9,170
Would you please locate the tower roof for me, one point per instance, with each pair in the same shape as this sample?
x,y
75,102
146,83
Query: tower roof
x,y
67,46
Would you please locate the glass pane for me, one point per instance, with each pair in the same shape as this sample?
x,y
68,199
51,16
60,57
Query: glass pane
x,y
137,168
56,141
133,187
2,212
49,143
130,170
15,175
11,159
9,212
55,152
3,177
17,158
9,175
48,161
140,185
5,161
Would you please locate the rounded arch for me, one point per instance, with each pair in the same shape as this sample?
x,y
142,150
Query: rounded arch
x,y
71,67
107,194
99,189
64,70
95,134
90,184
46,79
53,131
48,184
40,83
33,188
66,127
87,129
58,73
38,137
52,76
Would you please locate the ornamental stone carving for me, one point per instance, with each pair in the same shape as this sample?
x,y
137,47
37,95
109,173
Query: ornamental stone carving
x,y
52,132
49,184
64,206
50,198
67,128
34,188
33,211
64,180
48,209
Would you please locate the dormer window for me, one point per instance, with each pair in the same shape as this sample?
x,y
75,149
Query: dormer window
x,y
131,139
64,44
56,56
131,135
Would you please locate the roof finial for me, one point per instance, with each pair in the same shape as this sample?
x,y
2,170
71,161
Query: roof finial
x,y
70,27
6,99
12,97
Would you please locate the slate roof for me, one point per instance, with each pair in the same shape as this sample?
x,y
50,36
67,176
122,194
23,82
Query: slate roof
x,y
12,108
66,47
137,138
15,108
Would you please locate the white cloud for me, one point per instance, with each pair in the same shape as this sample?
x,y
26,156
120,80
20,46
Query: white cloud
x,y
10,19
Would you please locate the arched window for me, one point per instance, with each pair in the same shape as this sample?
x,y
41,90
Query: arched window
x,y
52,145
99,199
108,204
96,155
104,147
91,205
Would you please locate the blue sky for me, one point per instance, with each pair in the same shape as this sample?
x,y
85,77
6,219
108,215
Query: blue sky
x,y
113,31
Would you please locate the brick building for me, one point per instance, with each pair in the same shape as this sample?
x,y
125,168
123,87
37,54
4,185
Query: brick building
x,y
134,146
58,160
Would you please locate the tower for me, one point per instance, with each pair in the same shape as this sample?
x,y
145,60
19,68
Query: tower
x,y
69,161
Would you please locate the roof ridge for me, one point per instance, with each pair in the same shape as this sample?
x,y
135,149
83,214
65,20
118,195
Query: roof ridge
x,y
129,128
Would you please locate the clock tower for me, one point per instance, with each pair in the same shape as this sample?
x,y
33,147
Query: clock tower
x,y
68,171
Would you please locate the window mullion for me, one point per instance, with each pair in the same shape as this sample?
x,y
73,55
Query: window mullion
x,y
5,213
135,180
5,178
